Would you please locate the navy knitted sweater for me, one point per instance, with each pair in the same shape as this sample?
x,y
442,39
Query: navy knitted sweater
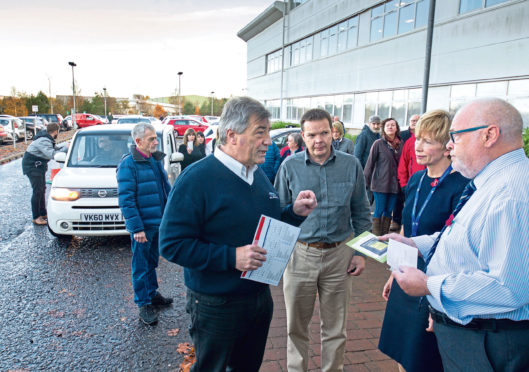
x,y
210,212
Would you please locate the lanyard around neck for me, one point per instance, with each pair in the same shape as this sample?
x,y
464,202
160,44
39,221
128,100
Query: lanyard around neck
x,y
414,217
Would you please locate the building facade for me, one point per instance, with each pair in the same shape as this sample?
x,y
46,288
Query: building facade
x,y
356,58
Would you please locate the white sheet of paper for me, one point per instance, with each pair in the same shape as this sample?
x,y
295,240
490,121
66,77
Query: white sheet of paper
x,y
279,240
400,254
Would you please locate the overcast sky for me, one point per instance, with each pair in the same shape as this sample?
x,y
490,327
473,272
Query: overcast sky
x,y
127,46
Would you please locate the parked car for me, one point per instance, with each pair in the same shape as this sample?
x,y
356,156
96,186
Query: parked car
x,y
210,119
87,120
133,119
67,123
52,118
3,134
14,127
83,199
31,129
181,124
280,136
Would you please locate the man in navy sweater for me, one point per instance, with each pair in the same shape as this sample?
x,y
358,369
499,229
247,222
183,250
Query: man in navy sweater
x,y
208,228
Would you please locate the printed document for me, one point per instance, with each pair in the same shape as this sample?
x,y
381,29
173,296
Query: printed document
x,y
279,240
400,254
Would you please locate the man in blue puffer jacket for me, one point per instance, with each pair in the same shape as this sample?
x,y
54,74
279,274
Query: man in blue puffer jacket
x,y
143,188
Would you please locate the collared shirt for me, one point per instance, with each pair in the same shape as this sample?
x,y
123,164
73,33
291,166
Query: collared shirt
x,y
339,186
245,173
481,265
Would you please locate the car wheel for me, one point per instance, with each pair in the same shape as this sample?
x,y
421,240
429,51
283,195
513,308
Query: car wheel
x,y
59,236
29,135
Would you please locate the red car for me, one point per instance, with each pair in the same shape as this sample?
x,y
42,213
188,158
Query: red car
x,y
181,125
87,120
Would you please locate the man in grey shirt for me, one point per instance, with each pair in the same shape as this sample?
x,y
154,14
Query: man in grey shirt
x,y
321,263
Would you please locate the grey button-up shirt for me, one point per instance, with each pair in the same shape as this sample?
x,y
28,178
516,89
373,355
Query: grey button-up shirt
x,y
340,190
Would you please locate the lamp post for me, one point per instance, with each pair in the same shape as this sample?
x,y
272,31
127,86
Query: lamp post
x,y
179,93
212,93
105,98
73,89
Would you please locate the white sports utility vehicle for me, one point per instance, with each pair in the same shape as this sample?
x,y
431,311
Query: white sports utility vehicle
x,y
84,197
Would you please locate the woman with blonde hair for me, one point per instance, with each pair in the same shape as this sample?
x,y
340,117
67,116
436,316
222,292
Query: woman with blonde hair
x,y
431,196
190,148
339,142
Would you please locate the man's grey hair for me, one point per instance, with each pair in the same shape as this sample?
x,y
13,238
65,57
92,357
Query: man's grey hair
x,y
236,116
139,130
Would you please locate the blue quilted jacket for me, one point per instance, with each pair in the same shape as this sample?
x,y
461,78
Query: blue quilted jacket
x,y
143,188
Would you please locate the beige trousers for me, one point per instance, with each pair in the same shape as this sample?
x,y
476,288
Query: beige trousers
x,y
312,271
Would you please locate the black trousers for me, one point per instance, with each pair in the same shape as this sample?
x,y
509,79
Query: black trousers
x,y
38,199
468,350
399,206
229,333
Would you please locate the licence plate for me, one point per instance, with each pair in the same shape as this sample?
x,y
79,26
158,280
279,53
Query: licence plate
x,y
101,217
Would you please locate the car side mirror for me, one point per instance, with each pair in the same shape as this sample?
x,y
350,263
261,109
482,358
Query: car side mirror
x,y
176,157
60,157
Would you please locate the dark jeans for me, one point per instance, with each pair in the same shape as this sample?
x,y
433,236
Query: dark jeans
x,y
38,199
229,332
484,351
399,206
144,263
384,204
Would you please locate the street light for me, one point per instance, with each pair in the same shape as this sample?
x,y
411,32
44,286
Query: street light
x,y
179,93
212,93
73,89
105,98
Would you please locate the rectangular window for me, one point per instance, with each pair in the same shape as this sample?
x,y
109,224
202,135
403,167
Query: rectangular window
x,y
295,55
390,24
376,29
470,5
421,15
324,43
308,50
406,18
342,36
352,33
347,111
333,40
302,52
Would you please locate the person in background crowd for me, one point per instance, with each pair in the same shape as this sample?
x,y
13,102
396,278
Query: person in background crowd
x,y
35,165
370,133
322,265
337,119
201,143
294,145
142,193
407,166
272,162
381,174
189,148
213,240
430,198
339,142
477,278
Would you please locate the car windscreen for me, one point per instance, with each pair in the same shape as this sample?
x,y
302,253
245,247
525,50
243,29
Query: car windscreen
x,y
133,120
101,150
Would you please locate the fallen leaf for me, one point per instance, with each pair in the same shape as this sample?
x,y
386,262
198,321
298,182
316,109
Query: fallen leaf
x,y
173,332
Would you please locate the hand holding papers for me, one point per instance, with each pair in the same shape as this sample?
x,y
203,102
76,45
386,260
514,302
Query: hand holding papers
x,y
278,239
400,254
369,245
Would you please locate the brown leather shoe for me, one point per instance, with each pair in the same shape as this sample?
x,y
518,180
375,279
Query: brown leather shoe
x,y
394,226
40,221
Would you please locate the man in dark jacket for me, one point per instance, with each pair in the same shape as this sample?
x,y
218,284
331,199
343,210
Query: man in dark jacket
x,y
35,165
364,141
143,188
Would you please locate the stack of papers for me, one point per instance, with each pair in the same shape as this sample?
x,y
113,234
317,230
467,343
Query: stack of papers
x,y
369,245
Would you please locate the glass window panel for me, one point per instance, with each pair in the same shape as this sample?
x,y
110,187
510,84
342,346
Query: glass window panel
x,y
469,5
414,108
342,36
421,15
376,29
406,2
463,91
398,112
390,24
324,45
378,11
391,5
399,95
348,99
415,95
369,110
519,88
295,59
493,2
302,53
383,110
347,113
352,33
308,49
333,40
496,89
406,18
522,105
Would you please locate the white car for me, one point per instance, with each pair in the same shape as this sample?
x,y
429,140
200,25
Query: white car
x,y
83,200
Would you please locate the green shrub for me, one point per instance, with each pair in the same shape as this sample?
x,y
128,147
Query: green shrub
x,y
282,124
351,137
526,141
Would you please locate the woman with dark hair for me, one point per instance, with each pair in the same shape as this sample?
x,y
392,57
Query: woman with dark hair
x,y
381,174
189,148
431,196
201,143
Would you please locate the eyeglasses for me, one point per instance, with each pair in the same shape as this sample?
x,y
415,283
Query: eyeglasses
x,y
452,133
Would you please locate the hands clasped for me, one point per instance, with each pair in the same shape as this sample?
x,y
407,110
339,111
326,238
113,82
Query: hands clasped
x,y
249,257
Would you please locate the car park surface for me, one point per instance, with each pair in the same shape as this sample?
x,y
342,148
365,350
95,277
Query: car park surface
x,y
83,198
